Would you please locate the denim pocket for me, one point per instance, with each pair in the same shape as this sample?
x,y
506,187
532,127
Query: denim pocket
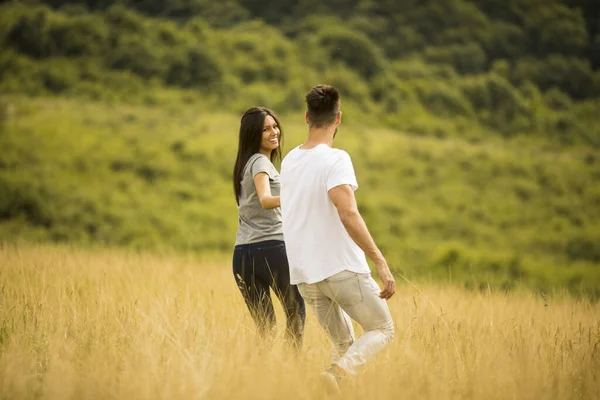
x,y
345,288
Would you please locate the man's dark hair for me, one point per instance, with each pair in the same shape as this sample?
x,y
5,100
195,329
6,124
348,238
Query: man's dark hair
x,y
323,102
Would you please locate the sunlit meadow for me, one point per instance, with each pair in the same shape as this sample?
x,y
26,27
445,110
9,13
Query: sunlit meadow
x,y
119,324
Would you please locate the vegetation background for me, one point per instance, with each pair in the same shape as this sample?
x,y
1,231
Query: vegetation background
x,y
474,125
474,128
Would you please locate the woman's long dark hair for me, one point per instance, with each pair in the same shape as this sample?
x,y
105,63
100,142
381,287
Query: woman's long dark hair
x,y
251,131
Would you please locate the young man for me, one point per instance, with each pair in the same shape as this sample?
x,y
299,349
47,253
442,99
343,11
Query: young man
x,y
326,240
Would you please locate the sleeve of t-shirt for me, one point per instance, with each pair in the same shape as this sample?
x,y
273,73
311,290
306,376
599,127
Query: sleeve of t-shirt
x,y
341,172
262,164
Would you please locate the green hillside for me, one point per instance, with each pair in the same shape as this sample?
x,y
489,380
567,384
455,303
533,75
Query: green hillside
x,y
443,68
473,125
159,178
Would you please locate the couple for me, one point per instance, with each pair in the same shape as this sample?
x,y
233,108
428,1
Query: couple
x,y
325,237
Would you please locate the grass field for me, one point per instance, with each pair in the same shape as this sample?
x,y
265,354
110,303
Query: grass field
x,y
81,324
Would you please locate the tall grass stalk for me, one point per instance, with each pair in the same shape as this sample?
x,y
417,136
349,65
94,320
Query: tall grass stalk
x,y
81,324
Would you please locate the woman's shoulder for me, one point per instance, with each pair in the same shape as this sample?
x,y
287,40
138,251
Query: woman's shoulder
x,y
259,162
255,157
260,158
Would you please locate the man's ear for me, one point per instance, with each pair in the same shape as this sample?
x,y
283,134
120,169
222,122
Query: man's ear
x,y
306,117
338,118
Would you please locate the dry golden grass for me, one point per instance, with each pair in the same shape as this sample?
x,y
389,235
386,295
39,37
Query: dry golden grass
x,y
109,324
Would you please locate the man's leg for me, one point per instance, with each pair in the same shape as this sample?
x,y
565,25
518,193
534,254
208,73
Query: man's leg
x,y
358,296
331,317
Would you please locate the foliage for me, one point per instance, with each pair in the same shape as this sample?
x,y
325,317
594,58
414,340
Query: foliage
x,y
158,177
480,96
462,62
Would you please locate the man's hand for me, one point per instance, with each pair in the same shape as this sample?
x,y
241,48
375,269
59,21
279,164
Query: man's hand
x,y
387,279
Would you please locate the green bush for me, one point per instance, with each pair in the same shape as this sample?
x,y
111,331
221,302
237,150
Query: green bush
x,y
557,28
139,55
196,66
24,197
84,35
29,31
505,40
19,74
418,69
392,94
465,59
257,52
350,85
352,48
572,75
555,99
498,103
59,75
442,99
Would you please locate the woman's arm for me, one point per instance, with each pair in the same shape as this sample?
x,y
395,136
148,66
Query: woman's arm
x,y
263,189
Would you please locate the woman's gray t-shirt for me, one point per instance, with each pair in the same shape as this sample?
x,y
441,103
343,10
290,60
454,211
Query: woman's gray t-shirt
x,y
255,224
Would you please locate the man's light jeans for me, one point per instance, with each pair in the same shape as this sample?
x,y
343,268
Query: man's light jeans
x,y
348,294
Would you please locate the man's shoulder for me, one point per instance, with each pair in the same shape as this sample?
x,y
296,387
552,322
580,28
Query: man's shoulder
x,y
339,152
290,156
329,155
338,155
291,153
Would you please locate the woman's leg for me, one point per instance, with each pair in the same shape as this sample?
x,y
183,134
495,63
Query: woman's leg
x,y
295,311
254,290
274,265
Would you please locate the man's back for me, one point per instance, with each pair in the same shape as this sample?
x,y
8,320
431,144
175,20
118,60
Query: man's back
x,y
318,245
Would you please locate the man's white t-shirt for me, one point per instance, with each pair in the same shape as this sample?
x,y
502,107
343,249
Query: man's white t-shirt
x,y
317,244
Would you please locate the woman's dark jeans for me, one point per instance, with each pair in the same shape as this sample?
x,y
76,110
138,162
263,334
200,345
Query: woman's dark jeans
x,y
258,267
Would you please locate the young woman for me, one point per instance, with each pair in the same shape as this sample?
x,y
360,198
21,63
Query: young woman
x,y
259,259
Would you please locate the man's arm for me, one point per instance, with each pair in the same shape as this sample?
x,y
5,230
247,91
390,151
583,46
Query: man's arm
x,y
263,190
343,198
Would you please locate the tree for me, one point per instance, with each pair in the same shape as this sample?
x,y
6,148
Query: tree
x,y
497,102
572,75
350,47
196,66
28,32
556,28
466,59
80,35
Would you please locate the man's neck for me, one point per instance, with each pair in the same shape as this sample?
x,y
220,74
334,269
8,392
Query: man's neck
x,y
317,136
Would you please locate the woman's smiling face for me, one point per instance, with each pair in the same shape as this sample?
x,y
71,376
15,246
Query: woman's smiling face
x,y
270,135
